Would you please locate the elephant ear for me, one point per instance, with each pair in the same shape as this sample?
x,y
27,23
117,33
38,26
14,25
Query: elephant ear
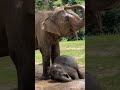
x,y
50,26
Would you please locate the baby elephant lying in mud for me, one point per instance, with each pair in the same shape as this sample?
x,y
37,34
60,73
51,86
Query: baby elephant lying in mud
x,y
65,69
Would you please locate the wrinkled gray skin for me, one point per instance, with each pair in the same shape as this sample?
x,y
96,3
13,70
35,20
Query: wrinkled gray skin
x,y
50,26
65,69
17,38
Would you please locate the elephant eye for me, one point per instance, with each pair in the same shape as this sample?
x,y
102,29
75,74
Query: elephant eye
x,y
67,18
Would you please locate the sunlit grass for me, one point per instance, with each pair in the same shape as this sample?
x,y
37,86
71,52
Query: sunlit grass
x,y
75,49
7,70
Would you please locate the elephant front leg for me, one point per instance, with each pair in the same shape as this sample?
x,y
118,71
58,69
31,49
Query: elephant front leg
x,y
46,63
55,52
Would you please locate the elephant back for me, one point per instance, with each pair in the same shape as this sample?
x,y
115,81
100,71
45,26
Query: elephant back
x,y
66,61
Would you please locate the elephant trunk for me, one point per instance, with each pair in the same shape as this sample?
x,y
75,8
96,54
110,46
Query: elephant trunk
x,y
80,21
64,78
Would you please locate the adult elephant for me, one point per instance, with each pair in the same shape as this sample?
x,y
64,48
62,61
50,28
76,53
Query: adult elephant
x,y
4,44
50,26
17,38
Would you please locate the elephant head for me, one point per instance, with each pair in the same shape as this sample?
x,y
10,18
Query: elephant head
x,y
77,22
58,73
64,22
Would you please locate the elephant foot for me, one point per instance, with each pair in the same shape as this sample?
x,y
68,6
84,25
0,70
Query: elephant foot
x,y
44,77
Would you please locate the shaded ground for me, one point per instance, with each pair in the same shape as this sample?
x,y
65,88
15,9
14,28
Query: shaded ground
x,y
103,60
7,74
8,79
52,85
9,86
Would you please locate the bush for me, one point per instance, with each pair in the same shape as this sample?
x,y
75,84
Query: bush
x,y
51,4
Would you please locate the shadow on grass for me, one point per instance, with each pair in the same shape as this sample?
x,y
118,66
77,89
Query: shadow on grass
x,y
103,60
7,74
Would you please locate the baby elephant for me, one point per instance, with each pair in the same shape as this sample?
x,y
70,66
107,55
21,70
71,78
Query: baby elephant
x,y
65,69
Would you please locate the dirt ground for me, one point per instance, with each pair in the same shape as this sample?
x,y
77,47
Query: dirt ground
x,y
52,85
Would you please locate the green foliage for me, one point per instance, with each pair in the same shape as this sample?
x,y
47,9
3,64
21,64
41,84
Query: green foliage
x,y
51,4
72,2
39,4
58,3
81,35
110,23
47,4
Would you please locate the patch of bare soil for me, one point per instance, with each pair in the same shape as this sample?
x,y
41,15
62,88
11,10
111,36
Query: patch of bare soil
x,y
52,85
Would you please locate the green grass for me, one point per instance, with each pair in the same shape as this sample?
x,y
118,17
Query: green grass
x,y
103,59
7,70
75,49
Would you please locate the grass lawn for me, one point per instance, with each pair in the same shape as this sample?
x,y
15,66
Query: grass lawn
x,y
103,59
8,72
8,78
75,49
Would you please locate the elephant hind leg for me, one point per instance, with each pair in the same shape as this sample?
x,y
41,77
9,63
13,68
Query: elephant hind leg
x,y
80,75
